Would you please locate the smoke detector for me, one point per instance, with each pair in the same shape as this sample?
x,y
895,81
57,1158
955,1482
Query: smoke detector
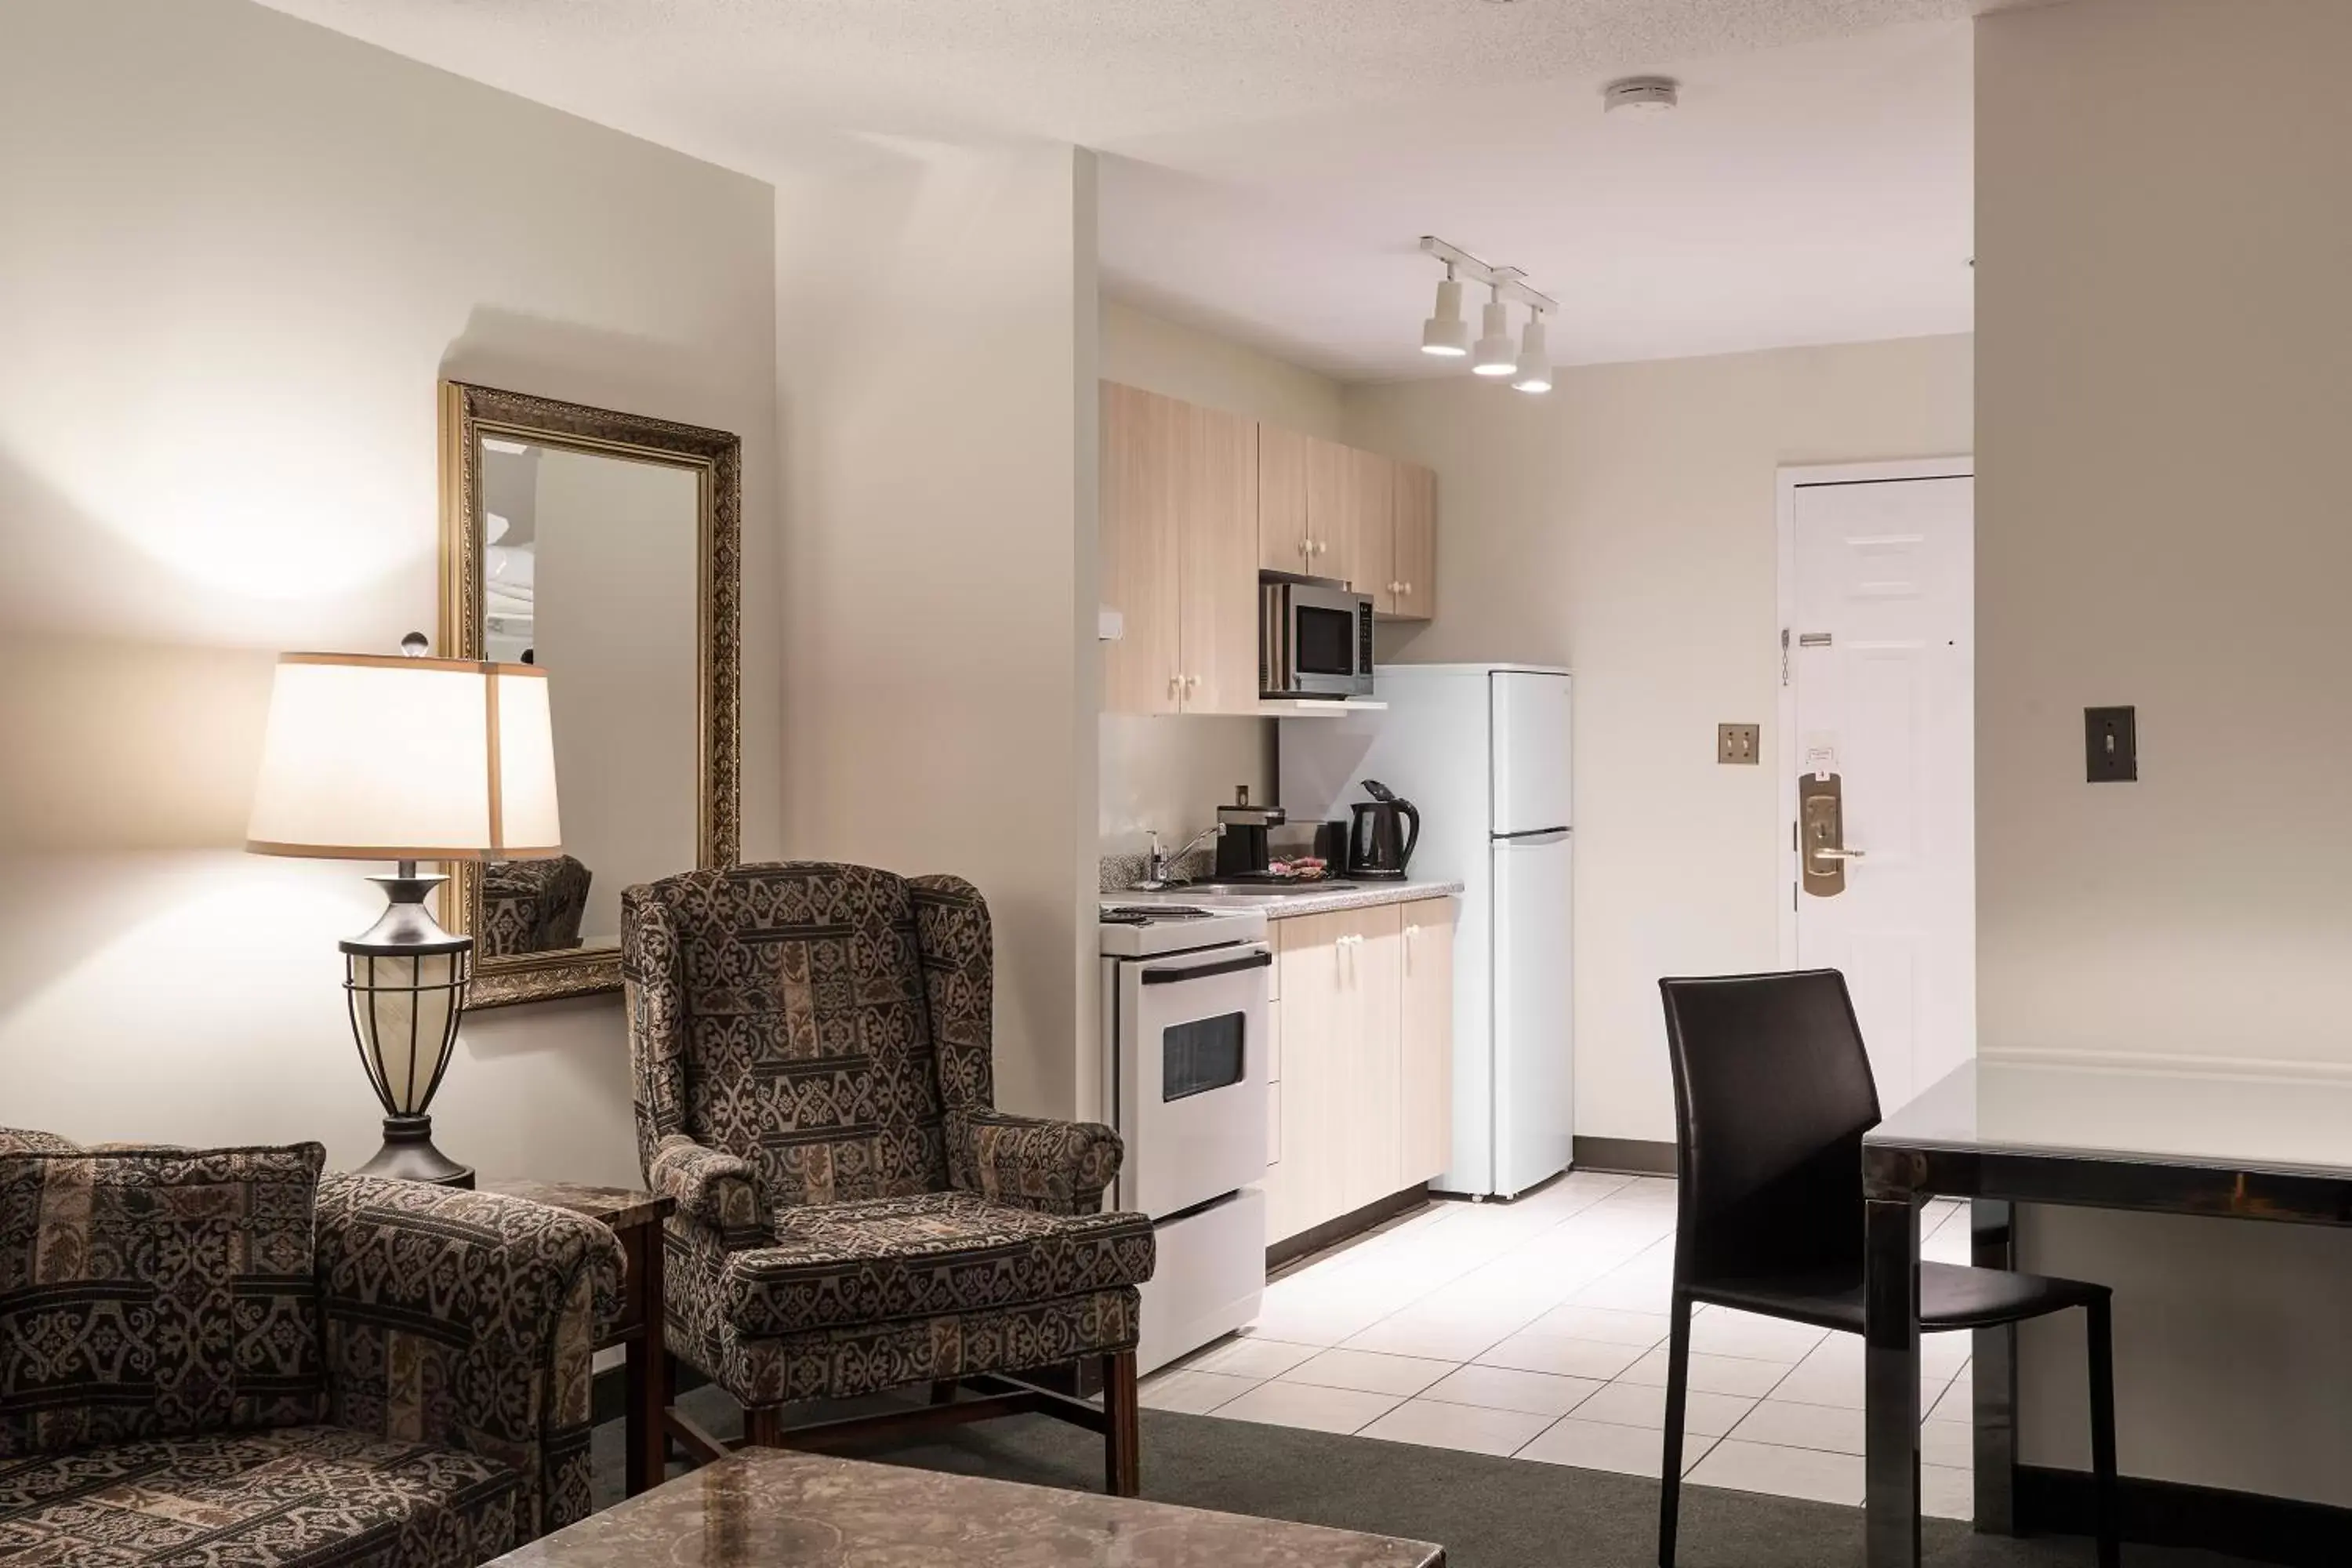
x,y
1643,94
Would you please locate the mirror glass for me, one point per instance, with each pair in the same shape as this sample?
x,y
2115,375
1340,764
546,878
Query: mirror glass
x,y
591,570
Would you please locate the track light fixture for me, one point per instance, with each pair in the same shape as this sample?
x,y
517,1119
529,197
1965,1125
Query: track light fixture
x,y
1528,363
1446,335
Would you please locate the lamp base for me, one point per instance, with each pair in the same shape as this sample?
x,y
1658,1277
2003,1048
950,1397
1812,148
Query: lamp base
x,y
408,1156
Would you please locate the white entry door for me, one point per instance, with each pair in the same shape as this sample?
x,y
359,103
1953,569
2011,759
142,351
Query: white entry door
x,y
1881,686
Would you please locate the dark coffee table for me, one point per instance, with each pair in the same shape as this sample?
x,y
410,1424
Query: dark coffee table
x,y
767,1507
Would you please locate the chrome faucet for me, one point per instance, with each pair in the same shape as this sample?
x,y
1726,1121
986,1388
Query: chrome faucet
x,y
1160,868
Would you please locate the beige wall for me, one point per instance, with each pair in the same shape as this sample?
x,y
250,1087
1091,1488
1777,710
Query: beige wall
x,y
2164,352
935,350
238,251
1623,526
1171,774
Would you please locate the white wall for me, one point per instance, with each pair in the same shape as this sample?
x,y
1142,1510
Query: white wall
x,y
2164,353
1170,774
239,252
935,350
1623,526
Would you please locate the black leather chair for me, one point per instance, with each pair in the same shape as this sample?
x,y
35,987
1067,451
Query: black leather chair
x,y
1773,1094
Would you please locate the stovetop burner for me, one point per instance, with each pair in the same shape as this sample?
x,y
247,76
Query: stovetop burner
x,y
1144,914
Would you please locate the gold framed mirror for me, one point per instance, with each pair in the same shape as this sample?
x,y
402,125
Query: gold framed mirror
x,y
603,547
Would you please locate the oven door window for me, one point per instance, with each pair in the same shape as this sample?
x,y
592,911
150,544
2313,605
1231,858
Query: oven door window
x,y
1325,641
1200,1054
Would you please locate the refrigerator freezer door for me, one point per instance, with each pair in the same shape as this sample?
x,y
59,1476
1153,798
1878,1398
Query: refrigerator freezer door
x,y
1535,1064
1531,751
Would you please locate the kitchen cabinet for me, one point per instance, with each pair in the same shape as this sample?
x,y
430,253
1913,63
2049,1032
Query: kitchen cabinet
x,y
1180,541
1286,539
1426,1052
1364,1016
1195,501
1409,591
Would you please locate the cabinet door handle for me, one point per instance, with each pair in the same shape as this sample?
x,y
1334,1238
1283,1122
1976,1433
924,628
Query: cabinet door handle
x,y
1408,590
1192,683
1396,588
1175,686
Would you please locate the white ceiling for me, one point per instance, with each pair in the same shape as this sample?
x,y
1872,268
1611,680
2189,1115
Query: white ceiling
x,y
1272,163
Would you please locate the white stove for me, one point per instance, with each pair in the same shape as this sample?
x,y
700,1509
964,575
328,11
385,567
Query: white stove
x,y
1136,928
1184,1072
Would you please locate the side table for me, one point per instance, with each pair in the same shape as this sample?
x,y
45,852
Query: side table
x,y
635,1217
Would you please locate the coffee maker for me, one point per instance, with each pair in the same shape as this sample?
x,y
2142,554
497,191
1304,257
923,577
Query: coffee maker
x,y
1242,847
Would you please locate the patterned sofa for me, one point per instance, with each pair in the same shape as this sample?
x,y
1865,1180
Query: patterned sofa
x,y
813,1050
532,906
418,1398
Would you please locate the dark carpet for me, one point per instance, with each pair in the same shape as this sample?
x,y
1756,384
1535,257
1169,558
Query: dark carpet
x,y
1486,1512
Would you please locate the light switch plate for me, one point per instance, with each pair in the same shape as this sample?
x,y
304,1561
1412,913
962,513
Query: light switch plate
x,y
2110,745
1739,744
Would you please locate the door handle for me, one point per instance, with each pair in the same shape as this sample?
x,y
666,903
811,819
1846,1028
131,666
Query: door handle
x,y
1825,853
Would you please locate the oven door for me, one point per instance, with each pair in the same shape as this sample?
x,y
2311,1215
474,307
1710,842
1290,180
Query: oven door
x,y
1191,1076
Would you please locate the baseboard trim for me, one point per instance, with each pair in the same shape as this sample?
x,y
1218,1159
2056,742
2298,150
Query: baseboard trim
x,y
1624,1156
2172,1513
1331,1231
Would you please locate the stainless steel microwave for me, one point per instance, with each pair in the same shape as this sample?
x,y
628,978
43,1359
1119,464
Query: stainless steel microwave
x,y
1314,638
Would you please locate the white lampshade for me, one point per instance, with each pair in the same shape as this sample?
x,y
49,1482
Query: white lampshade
x,y
1533,372
1496,355
371,757
1446,335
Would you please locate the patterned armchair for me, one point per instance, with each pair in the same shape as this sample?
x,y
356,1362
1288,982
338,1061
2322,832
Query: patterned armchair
x,y
532,906
813,1057
417,1396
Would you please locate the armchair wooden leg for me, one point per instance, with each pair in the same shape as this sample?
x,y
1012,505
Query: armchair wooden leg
x,y
1123,1431
765,1427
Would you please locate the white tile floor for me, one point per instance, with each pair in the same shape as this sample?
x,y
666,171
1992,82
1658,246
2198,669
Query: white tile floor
x,y
1538,1329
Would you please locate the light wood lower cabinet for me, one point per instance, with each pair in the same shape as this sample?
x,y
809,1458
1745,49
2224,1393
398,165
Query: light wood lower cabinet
x,y
1365,1023
1426,1056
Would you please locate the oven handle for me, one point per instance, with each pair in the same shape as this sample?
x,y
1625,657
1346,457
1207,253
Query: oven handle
x,y
1261,959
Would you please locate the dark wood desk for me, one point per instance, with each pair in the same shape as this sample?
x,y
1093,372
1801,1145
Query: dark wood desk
x,y
2006,1132
636,1218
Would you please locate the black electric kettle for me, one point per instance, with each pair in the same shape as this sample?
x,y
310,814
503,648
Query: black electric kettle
x,y
1379,845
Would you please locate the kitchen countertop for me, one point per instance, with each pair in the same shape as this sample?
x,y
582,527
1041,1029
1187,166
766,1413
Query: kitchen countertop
x,y
1305,901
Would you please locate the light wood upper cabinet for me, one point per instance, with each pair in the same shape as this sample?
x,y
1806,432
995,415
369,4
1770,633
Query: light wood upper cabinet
x,y
1195,502
1426,1058
1362,531
1285,539
1180,536
1217,546
1141,442
1411,585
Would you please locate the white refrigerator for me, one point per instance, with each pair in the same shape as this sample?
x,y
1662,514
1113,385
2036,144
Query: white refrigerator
x,y
1482,751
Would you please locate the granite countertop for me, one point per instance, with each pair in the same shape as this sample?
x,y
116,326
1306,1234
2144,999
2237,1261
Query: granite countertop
x,y
766,1507
1309,898
618,1208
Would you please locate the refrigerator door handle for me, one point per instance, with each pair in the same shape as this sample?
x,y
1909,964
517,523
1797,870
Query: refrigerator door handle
x,y
1534,836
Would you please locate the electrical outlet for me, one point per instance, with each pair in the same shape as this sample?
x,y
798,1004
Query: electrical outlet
x,y
1739,744
2110,745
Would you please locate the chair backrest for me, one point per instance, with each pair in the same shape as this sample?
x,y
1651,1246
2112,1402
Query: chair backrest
x,y
1773,1094
817,1019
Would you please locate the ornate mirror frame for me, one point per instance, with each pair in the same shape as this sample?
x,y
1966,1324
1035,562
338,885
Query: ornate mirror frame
x,y
470,413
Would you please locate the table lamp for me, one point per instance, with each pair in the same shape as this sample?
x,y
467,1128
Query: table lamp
x,y
404,758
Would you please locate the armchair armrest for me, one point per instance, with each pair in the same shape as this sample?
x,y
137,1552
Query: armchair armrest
x,y
1053,1167
466,1321
716,1190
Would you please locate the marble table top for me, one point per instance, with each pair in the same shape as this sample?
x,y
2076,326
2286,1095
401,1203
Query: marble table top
x,y
618,1208
767,1507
